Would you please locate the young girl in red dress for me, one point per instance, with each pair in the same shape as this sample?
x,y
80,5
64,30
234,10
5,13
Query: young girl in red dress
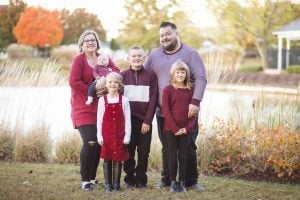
x,y
175,107
113,131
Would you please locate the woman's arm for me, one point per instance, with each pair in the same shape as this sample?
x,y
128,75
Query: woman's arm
x,y
75,77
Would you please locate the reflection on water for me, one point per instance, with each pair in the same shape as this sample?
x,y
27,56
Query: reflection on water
x,y
25,107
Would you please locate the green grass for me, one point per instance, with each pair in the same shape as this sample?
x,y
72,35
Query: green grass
x,y
54,181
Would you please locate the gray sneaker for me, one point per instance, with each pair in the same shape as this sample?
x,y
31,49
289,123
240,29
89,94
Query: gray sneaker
x,y
197,187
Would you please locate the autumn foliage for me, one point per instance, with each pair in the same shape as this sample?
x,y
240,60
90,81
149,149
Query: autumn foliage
x,y
39,27
268,154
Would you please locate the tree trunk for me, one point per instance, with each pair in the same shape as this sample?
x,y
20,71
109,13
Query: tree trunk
x,y
262,48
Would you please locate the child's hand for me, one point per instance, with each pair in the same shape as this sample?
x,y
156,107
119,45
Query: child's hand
x,y
100,142
101,91
181,131
145,128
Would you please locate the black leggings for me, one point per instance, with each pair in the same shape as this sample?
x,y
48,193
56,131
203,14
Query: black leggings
x,y
177,146
90,152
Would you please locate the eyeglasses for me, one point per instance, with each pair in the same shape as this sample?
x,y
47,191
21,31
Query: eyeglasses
x,y
91,40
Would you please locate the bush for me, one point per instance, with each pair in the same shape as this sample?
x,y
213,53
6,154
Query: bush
x,y
33,146
122,64
7,144
271,154
293,69
18,51
68,149
250,69
64,53
154,161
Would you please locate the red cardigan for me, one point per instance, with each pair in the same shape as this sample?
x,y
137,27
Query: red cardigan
x,y
81,76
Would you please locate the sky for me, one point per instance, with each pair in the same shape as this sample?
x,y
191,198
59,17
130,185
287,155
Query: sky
x,y
111,12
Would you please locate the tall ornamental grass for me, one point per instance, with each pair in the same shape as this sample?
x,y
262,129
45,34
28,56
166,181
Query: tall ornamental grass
x,y
34,145
7,143
21,75
217,67
67,148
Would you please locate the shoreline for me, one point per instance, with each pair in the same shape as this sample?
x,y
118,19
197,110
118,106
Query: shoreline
x,y
253,88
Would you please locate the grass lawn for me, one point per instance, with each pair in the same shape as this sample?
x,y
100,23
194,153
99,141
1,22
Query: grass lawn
x,y
53,181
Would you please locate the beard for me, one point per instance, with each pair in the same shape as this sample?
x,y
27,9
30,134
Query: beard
x,y
171,46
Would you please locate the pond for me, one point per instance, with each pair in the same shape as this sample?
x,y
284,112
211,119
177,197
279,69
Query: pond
x,y
30,107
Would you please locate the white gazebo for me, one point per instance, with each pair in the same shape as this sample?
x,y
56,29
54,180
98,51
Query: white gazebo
x,y
289,32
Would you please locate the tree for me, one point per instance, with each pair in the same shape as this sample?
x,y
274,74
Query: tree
x,y
114,45
74,23
38,27
9,16
252,22
142,23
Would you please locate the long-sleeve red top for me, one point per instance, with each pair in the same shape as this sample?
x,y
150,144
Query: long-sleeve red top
x,y
175,107
81,76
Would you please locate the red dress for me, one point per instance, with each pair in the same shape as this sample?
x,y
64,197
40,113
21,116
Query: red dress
x,y
113,132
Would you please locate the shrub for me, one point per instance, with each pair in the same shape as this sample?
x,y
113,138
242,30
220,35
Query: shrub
x,y
33,146
7,144
68,149
271,154
19,51
64,53
279,148
250,69
293,69
122,64
154,161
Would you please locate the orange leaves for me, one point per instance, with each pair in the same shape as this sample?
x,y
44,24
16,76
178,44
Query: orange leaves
x,y
39,27
270,153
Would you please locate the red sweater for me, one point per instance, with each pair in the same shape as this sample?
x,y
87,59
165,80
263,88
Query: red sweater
x,y
81,76
175,107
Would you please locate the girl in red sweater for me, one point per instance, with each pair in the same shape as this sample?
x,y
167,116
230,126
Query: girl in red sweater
x,y
113,130
175,106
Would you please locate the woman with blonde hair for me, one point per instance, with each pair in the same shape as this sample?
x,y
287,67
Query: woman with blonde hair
x,y
84,117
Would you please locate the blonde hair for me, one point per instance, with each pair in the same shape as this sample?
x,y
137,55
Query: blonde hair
x,y
85,33
116,76
180,65
136,48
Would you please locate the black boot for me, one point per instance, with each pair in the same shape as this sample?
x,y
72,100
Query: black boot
x,y
117,167
107,171
173,187
181,187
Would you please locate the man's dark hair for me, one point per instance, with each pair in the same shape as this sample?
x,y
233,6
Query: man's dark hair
x,y
166,24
